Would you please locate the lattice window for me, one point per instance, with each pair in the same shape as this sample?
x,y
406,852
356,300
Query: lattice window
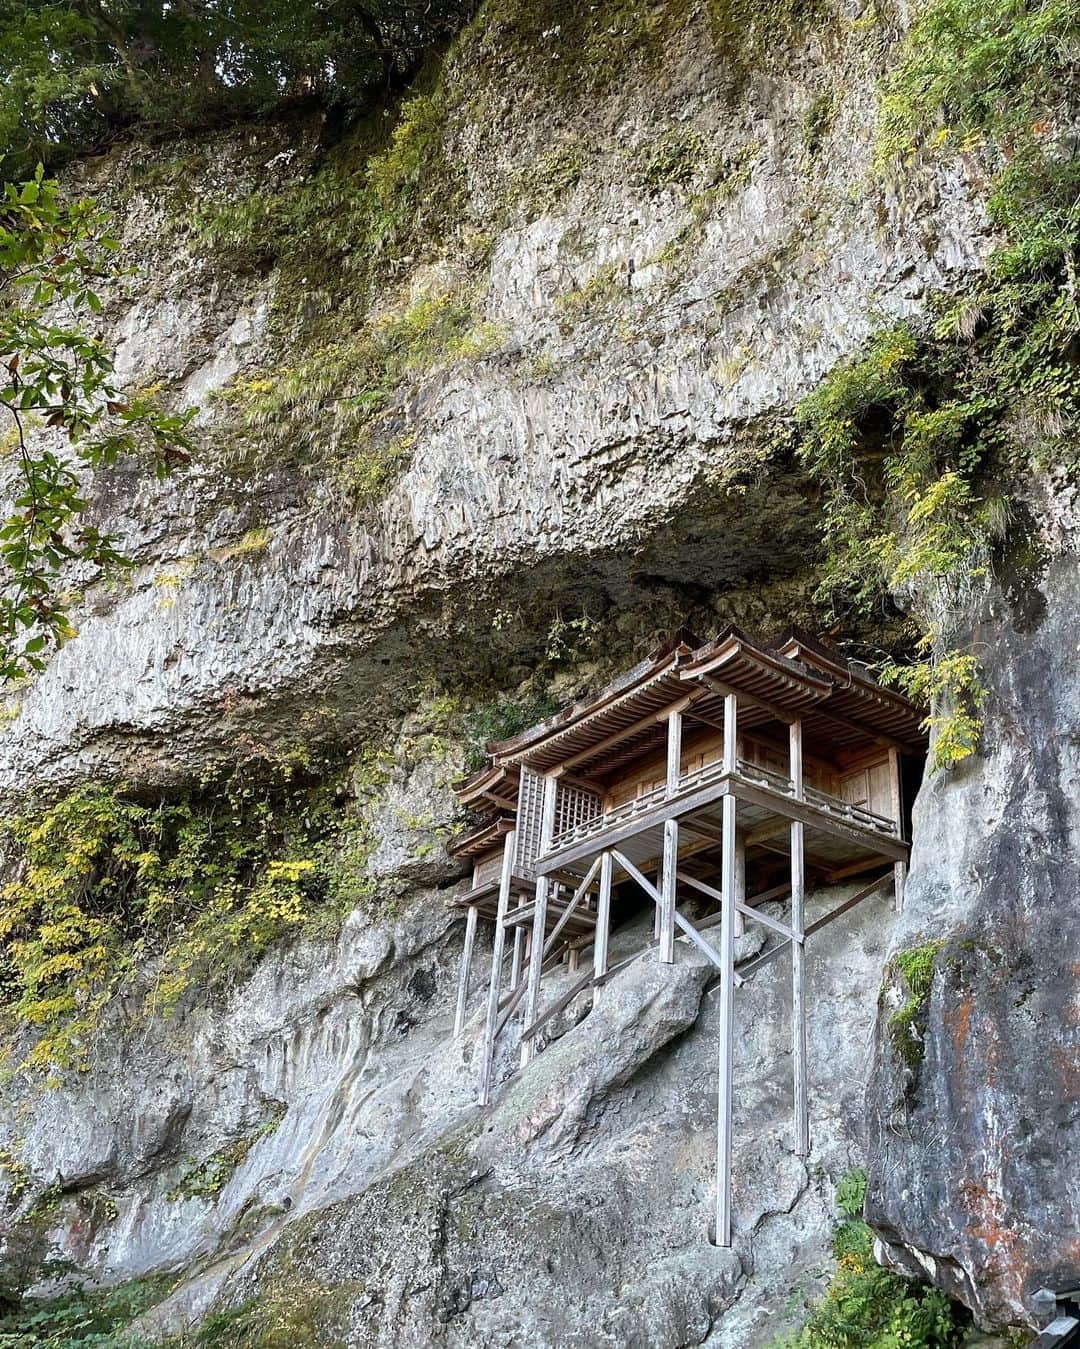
x,y
573,806
530,816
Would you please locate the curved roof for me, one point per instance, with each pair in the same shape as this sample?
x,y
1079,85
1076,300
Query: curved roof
x,y
796,677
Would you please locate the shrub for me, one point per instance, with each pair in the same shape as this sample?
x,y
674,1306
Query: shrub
x,y
867,1307
103,886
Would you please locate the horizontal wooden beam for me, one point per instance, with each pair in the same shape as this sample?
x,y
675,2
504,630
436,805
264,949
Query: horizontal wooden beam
x,y
819,819
666,809
767,831
711,832
851,869
610,741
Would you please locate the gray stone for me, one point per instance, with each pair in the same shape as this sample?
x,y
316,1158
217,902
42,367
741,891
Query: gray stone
x,y
974,1137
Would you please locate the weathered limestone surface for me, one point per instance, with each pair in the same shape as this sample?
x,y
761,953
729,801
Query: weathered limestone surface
x,y
974,1176
573,1211
607,453
602,446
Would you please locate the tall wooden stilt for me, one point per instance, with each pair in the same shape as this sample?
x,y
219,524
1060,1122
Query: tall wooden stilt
x,y
515,959
727,1028
667,892
539,928
603,918
900,868
466,968
798,950
487,1049
740,881
536,964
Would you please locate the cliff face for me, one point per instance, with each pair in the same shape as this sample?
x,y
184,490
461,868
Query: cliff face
x,y
972,1132
668,257
676,246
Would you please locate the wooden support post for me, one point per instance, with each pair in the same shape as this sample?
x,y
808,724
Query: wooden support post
x,y
536,962
667,892
515,964
722,1234
740,881
487,1048
547,813
572,957
674,751
603,918
731,732
798,952
466,968
539,928
795,760
899,868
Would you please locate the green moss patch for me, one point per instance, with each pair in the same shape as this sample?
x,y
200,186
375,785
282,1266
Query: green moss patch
x,y
907,1023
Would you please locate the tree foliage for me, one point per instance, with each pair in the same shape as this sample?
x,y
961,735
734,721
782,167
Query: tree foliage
x,y
73,71
194,885
924,439
62,410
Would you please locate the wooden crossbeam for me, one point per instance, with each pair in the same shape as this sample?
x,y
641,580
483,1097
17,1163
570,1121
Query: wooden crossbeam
x,y
819,819
679,806
811,859
814,710
590,876
710,832
763,918
617,737
851,869
565,999
767,831
688,929
729,691
751,967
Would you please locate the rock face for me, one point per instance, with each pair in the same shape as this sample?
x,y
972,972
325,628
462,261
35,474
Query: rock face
x,y
974,1136
598,449
386,1208
311,1141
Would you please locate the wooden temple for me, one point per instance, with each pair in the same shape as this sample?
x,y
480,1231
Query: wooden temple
x,y
729,772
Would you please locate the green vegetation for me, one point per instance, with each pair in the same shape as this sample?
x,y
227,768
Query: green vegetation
x,y
907,1023
336,406
80,1317
72,74
56,377
504,716
194,886
206,1179
307,1317
340,243
920,440
866,1307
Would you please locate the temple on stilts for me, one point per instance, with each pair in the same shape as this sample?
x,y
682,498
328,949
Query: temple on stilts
x,y
730,771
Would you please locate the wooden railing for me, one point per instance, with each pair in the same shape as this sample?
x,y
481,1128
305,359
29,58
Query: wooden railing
x,y
693,781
